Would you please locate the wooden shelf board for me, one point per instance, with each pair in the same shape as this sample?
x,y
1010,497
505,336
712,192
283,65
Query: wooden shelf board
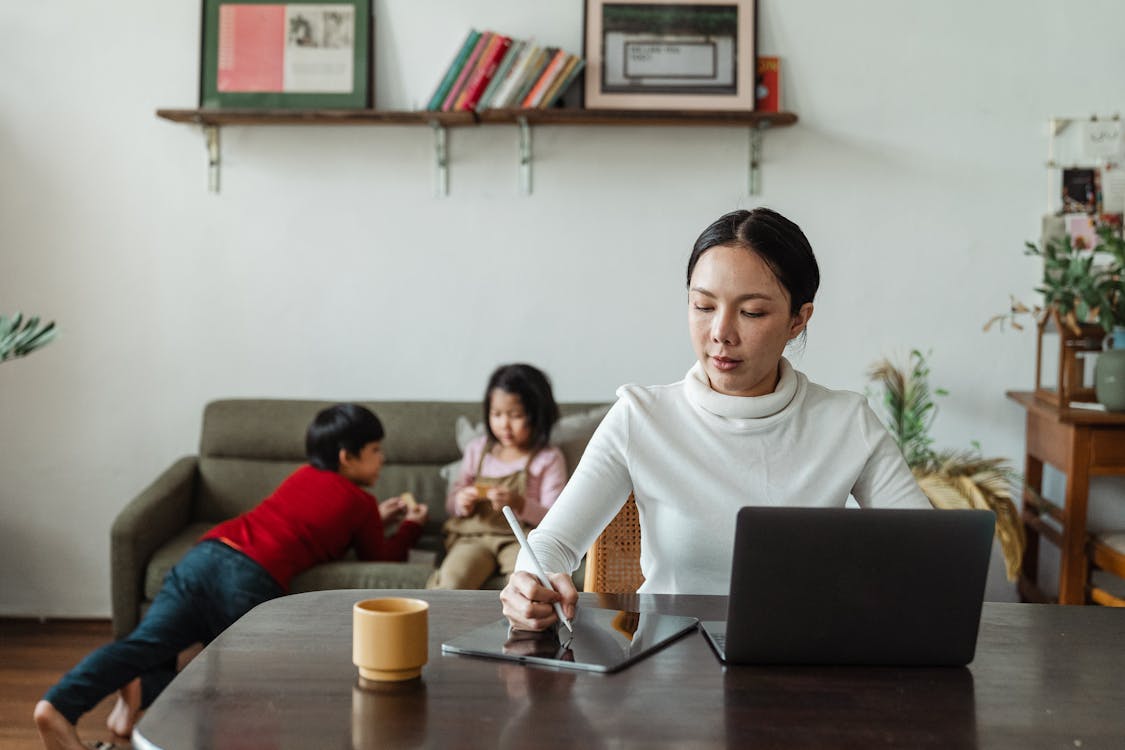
x,y
460,119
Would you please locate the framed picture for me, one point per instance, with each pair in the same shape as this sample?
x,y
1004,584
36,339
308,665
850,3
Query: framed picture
x,y
272,54
670,54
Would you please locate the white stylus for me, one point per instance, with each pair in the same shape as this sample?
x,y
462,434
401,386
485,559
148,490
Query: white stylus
x,y
536,568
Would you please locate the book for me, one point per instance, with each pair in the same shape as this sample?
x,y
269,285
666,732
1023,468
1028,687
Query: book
x,y
466,71
767,85
502,70
505,94
474,74
490,61
569,74
534,69
552,69
453,70
564,76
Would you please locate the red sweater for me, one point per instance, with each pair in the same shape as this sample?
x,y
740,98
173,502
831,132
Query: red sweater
x,y
313,517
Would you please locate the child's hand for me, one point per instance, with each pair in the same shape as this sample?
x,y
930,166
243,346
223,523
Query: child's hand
x,y
500,496
418,513
391,509
464,500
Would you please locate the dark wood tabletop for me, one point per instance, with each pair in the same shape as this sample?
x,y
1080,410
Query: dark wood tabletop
x,y
1044,676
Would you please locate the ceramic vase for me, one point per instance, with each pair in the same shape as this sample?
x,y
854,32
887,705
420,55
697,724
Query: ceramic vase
x,y
1109,373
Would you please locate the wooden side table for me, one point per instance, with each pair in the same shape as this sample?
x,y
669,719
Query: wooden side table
x,y
1080,443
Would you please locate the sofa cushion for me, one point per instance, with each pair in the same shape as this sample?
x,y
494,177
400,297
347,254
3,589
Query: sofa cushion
x,y
340,574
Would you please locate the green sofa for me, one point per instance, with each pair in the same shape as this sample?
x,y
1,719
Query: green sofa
x,y
248,446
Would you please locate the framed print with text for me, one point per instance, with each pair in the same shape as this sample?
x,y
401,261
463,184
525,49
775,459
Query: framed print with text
x,y
272,54
667,55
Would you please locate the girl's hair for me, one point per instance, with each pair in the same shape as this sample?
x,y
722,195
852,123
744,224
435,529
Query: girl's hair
x,y
342,426
776,240
534,390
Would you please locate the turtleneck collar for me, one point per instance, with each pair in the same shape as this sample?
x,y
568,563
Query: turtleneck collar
x,y
699,392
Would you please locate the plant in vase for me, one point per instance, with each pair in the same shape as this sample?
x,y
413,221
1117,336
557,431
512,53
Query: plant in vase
x,y
20,337
1083,299
949,479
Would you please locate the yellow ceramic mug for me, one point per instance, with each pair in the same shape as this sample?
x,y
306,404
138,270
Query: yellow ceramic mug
x,y
390,638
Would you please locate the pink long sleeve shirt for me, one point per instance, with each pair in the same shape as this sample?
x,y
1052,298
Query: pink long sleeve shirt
x,y
546,477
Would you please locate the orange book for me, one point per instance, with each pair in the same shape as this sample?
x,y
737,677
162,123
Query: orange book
x,y
536,94
560,80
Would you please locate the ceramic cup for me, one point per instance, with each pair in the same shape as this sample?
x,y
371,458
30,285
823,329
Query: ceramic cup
x,y
390,638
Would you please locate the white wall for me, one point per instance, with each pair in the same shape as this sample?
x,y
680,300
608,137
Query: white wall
x,y
326,268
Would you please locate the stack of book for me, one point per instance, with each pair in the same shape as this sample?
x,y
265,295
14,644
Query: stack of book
x,y
493,71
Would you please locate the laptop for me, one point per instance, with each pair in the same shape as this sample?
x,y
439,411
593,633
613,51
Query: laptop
x,y
830,586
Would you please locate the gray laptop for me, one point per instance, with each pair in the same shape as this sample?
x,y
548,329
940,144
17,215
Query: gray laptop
x,y
849,586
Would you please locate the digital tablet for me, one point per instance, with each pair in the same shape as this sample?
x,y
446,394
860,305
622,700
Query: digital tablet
x,y
604,640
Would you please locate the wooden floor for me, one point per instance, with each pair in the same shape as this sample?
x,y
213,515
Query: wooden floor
x,y
33,656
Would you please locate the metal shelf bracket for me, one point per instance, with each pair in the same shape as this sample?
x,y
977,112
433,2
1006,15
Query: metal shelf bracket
x,y
525,155
756,159
441,159
211,134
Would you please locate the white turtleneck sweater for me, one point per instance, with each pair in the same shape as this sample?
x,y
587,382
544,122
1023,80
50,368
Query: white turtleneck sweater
x,y
692,457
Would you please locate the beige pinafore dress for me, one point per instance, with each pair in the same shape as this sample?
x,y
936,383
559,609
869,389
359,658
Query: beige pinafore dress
x,y
485,531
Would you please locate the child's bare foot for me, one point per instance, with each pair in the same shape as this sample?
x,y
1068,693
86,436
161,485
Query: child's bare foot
x,y
124,714
56,732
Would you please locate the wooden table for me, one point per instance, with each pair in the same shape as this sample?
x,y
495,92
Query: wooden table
x,y
1081,443
1044,676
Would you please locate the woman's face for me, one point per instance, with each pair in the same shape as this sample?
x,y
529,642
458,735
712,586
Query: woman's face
x,y
738,314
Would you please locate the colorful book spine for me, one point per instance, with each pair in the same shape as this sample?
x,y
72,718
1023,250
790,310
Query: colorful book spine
x,y
531,75
466,71
565,75
546,78
453,70
501,75
504,96
490,62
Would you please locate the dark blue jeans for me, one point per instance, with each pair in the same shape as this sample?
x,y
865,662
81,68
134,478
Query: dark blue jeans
x,y
210,588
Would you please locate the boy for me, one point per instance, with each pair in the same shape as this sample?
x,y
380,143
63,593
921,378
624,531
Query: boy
x,y
313,516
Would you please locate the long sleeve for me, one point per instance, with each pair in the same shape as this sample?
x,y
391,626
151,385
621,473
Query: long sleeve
x,y
885,481
598,488
371,543
546,479
468,473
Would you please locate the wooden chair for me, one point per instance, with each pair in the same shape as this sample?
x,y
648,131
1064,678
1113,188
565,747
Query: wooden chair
x,y
613,564
1105,552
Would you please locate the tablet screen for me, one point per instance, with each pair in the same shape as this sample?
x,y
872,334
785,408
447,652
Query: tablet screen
x,y
604,640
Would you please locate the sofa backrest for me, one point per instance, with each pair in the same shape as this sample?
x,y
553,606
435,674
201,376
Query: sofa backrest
x,y
248,446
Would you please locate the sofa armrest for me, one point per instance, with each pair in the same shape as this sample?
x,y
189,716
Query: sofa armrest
x,y
148,521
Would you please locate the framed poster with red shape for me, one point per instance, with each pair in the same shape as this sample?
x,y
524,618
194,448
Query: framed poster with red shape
x,y
272,54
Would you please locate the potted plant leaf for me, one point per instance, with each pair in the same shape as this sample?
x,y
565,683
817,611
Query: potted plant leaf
x,y
1083,299
20,337
951,478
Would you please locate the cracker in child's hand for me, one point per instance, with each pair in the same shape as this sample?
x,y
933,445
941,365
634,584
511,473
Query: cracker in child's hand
x,y
408,500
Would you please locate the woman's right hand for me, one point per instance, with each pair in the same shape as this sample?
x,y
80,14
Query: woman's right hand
x,y
529,605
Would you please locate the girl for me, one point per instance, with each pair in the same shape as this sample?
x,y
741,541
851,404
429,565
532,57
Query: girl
x,y
742,428
511,464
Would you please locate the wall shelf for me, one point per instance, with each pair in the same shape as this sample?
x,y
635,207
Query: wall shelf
x,y
212,120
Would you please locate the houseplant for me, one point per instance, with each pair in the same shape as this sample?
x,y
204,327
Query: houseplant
x,y
1083,299
951,478
20,337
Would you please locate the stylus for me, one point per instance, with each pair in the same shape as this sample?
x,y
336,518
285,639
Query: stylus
x,y
536,568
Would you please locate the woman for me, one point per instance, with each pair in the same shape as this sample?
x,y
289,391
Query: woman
x,y
742,428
